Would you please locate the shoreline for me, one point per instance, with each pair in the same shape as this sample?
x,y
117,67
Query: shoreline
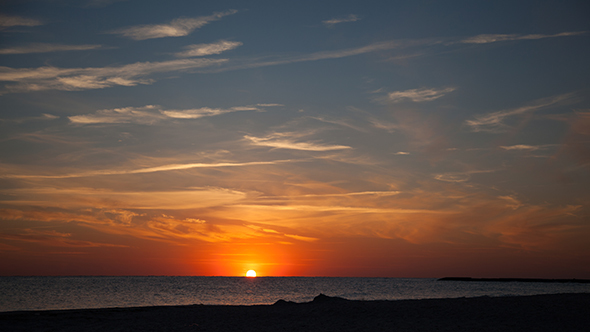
x,y
549,312
469,279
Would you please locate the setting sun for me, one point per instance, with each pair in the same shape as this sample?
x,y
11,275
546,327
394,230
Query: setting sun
x,y
251,273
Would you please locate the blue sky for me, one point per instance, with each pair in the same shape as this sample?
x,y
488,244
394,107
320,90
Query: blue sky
x,y
424,137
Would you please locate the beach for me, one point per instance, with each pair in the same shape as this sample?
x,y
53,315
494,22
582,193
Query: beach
x,y
563,312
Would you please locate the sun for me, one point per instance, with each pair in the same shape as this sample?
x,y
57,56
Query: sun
x,y
251,273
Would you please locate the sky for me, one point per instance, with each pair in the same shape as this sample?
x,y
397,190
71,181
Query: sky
x,y
295,138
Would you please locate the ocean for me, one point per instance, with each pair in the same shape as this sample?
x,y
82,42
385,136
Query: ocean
x,y
49,293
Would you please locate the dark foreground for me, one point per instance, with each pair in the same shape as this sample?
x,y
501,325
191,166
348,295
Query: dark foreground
x,y
560,312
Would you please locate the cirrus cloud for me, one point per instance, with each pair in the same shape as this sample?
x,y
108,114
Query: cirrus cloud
x,y
46,48
13,21
150,114
76,79
418,95
208,49
494,122
492,38
282,141
176,28
349,18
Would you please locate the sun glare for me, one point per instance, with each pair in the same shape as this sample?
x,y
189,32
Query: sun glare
x,y
251,273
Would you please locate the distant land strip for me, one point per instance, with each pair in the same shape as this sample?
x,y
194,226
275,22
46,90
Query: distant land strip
x,y
579,281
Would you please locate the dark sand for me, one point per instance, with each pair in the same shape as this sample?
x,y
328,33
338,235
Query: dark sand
x,y
560,312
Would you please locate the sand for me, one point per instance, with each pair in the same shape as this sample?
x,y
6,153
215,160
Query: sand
x,y
559,312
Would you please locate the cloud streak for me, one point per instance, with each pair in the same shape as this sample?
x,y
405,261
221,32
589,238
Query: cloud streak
x,y
82,197
493,38
151,114
385,125
162,168
53,239
376,47
205,111
338,208
76,79
46,48
494,122
459,176
524,147
42,117
208,49
316,56
176,28
350,194
418,95
13,21
148,114
349,18
282,141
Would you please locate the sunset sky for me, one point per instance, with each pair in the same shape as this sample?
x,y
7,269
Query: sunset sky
x,y
295,138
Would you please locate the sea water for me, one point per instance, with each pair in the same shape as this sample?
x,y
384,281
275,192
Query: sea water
x,y
47,293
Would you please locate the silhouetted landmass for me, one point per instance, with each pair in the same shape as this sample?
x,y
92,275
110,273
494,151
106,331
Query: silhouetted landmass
x,y
579,281
555,312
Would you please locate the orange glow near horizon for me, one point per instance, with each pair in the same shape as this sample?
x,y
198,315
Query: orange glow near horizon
x,y
400,247
263,254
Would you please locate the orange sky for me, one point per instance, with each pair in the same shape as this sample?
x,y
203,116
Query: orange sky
x,y
362,234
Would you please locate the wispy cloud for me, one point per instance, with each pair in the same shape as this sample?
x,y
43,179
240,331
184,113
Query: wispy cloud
x,y
46,48
512,202
492,38
75,79
493,122
418,95
13,21
205,111
524,147
349,18
45,137
349,194
42,117
176,28
268,231
534,151
112,199
286,141
208,49
339,122
162,168
53,238
374,47
269,105
151,114
324,55
338,208
388,45
459,176
390,127
148,114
